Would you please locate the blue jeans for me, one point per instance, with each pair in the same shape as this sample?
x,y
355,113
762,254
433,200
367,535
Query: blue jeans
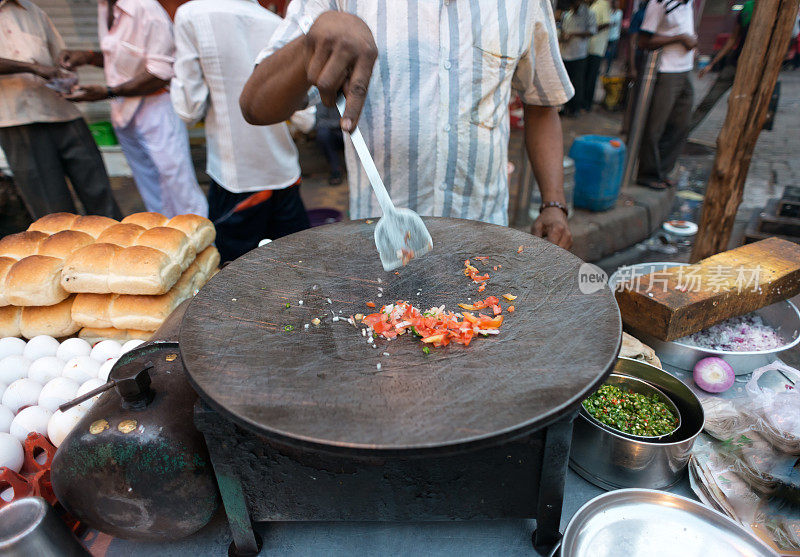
x,y
611,54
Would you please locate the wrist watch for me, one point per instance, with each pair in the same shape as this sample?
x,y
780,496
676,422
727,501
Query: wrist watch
x,y
558,204
110,92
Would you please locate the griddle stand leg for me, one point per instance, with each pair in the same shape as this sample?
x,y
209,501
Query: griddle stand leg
x,y
246,543
555,459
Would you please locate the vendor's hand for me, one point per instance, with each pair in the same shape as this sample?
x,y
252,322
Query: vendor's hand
x,y
72,59
88,93
689,41
552,226
341,54
45,72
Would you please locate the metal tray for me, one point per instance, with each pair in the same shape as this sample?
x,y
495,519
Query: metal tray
x,y
783,316
632,384
650,523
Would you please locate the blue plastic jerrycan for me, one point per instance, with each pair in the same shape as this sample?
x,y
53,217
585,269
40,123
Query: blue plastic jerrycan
x,y
599,164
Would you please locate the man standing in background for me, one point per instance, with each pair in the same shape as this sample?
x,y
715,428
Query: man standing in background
x,y
137,54
577,25
668,25
255,188
614,34
724,81
43,136
597,49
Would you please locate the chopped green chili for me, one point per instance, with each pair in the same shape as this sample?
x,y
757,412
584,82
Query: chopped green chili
x,y
630,412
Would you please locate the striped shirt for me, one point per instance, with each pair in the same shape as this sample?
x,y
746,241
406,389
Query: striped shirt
x,y
436,114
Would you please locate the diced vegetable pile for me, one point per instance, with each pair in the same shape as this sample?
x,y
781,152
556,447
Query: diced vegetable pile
x,y
630,412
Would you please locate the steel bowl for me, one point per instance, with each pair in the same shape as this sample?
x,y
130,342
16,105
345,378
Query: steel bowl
x,y
647,523
784,317
611,460
634,385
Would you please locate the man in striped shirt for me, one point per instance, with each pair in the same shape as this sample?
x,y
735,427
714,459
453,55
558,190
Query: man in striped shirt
x,y
434,110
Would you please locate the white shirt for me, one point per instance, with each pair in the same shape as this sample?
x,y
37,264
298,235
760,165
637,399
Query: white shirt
x,y
581,20
140,39
679,21
436,115
216,42
615,29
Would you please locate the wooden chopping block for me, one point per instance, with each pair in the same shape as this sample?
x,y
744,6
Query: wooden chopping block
x,y
680,301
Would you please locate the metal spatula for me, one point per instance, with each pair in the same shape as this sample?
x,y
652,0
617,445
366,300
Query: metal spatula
x,y
400,234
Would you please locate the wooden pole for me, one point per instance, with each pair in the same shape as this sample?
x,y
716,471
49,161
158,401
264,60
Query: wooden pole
x,y
757,72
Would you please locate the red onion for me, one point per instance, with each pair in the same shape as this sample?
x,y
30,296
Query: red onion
x,y
713,375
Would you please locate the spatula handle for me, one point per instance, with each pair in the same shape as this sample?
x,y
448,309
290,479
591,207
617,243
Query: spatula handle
x,y
369,165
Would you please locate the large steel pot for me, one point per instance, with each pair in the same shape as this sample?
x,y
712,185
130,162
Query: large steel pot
x,y
612,461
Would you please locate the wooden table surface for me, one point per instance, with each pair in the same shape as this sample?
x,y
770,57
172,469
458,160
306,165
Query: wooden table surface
x,y
252,358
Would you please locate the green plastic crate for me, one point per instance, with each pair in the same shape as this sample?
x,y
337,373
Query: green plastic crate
x,y
103,133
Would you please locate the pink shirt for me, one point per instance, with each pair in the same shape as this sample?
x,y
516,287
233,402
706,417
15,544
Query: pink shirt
x,y
140,39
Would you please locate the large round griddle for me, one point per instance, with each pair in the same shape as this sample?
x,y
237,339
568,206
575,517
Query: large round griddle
x,y
253,360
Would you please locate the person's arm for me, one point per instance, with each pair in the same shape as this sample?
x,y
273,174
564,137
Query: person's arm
x,y
632,45
141,85
337,54
545,145
73,59
188,89
15,66
729,45
650,41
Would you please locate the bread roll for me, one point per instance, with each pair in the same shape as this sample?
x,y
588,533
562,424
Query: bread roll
x,y
9,321
93,225
142,270
54,222
5,265
93,310
62,244
123,234
22,244
201,231
87,270
94,335
147,220
35,281
170,241
55,321
208,260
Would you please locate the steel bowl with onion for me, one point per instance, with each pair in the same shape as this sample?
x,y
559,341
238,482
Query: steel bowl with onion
x,y
784,317
612,460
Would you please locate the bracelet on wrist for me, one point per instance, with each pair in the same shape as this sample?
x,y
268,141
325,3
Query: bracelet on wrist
x,y
556,204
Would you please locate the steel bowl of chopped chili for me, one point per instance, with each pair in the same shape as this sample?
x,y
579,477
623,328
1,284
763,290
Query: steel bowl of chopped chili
x,y
632,407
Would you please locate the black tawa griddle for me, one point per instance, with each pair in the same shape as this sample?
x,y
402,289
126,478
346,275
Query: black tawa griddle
x,y
464,432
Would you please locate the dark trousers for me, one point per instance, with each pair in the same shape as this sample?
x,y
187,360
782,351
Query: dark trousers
x,y
593,64
576,70
667,126
239,231
330,141
611,54
41,155
723,82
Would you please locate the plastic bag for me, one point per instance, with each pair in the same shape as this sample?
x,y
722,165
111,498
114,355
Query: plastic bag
x,y
775,415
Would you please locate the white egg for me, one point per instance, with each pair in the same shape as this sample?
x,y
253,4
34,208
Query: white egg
x,y
45,369
80,369
21,393
90,385
11,346
3,388
61,423
57,392
106,349
105,369
32,419
73,347
130,345
39,347
13,368
11,453
6,417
